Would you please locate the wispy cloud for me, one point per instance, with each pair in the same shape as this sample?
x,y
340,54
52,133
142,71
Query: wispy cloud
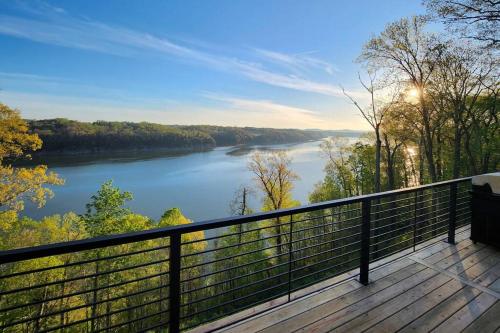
x,y
292,82
274,113
230,111
10,83
6,76
63,30
299,63
55,26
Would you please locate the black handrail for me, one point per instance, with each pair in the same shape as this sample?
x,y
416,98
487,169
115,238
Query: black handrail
x,y
111,240
368,209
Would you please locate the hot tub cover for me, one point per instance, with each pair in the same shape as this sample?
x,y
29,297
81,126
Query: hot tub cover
x,y
493,179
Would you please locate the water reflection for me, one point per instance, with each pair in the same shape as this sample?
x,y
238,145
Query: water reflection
x,y
201,183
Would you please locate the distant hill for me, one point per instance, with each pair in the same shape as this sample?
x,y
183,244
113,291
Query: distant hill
x,y
64,135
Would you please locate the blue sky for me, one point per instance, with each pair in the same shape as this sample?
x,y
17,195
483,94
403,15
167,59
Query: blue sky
x,y
243,63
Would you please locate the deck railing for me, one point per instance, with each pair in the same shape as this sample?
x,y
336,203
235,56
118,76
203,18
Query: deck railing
x,y
176,278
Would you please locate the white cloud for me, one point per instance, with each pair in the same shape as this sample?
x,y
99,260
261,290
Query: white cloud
x,y
267,108
23,77
299,63
46,85
55,26
291,82
232,111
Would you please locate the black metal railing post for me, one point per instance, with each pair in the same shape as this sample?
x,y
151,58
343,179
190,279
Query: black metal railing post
x,y
365,241
175,283
415,198
452,215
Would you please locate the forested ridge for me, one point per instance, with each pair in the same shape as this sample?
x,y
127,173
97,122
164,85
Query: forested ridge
x,y
64,135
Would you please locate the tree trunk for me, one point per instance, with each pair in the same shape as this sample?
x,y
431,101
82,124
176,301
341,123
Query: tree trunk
x,y
390,165
41,310
439,159
456,151
108,305
428,144
378,147
93,312
421,162
277,229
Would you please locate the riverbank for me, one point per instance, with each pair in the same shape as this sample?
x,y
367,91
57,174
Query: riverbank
x,y
64,136
85,157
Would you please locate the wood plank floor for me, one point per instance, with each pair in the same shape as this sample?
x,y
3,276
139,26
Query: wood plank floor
x,y
440,288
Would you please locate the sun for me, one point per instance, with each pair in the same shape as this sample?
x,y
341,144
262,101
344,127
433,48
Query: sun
x,y
413,92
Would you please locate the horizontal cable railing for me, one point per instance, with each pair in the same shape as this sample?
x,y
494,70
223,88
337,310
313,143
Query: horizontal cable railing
x,y
172,279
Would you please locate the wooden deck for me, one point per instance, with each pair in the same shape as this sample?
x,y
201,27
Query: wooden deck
x,y
440,288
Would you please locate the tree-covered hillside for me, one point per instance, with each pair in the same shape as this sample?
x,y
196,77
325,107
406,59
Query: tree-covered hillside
x,y
63,135
70,135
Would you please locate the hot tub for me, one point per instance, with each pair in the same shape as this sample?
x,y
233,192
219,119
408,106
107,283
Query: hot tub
x,y
485,205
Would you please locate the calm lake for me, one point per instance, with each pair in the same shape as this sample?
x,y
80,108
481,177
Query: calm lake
x,y
201,184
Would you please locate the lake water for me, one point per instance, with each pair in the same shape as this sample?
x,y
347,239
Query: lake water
x,y
201,184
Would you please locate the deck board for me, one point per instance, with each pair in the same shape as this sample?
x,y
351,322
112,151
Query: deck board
x,y
441,311
467,314
441,284
487,322
431,300
408,313
368,319
440,287
347,313
364,319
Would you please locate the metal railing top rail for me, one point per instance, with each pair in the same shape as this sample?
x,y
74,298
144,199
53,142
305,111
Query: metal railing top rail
x,y
41,251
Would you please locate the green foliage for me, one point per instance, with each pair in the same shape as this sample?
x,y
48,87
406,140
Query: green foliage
x,y
15,139
69,135
173,217
19,184
63,135
274,178
112,274
106,212
350,170
482,141
240,263
28,232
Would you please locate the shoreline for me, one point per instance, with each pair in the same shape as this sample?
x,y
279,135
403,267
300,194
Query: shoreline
x,y
88,157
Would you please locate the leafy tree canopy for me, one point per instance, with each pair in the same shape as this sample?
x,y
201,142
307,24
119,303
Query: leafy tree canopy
x,y
106,212
18,184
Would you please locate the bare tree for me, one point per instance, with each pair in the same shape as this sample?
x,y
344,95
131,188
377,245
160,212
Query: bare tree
x,y
482,134
475,19
374,115
457,85
275,178
408,54
240,206
336,149
395,136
